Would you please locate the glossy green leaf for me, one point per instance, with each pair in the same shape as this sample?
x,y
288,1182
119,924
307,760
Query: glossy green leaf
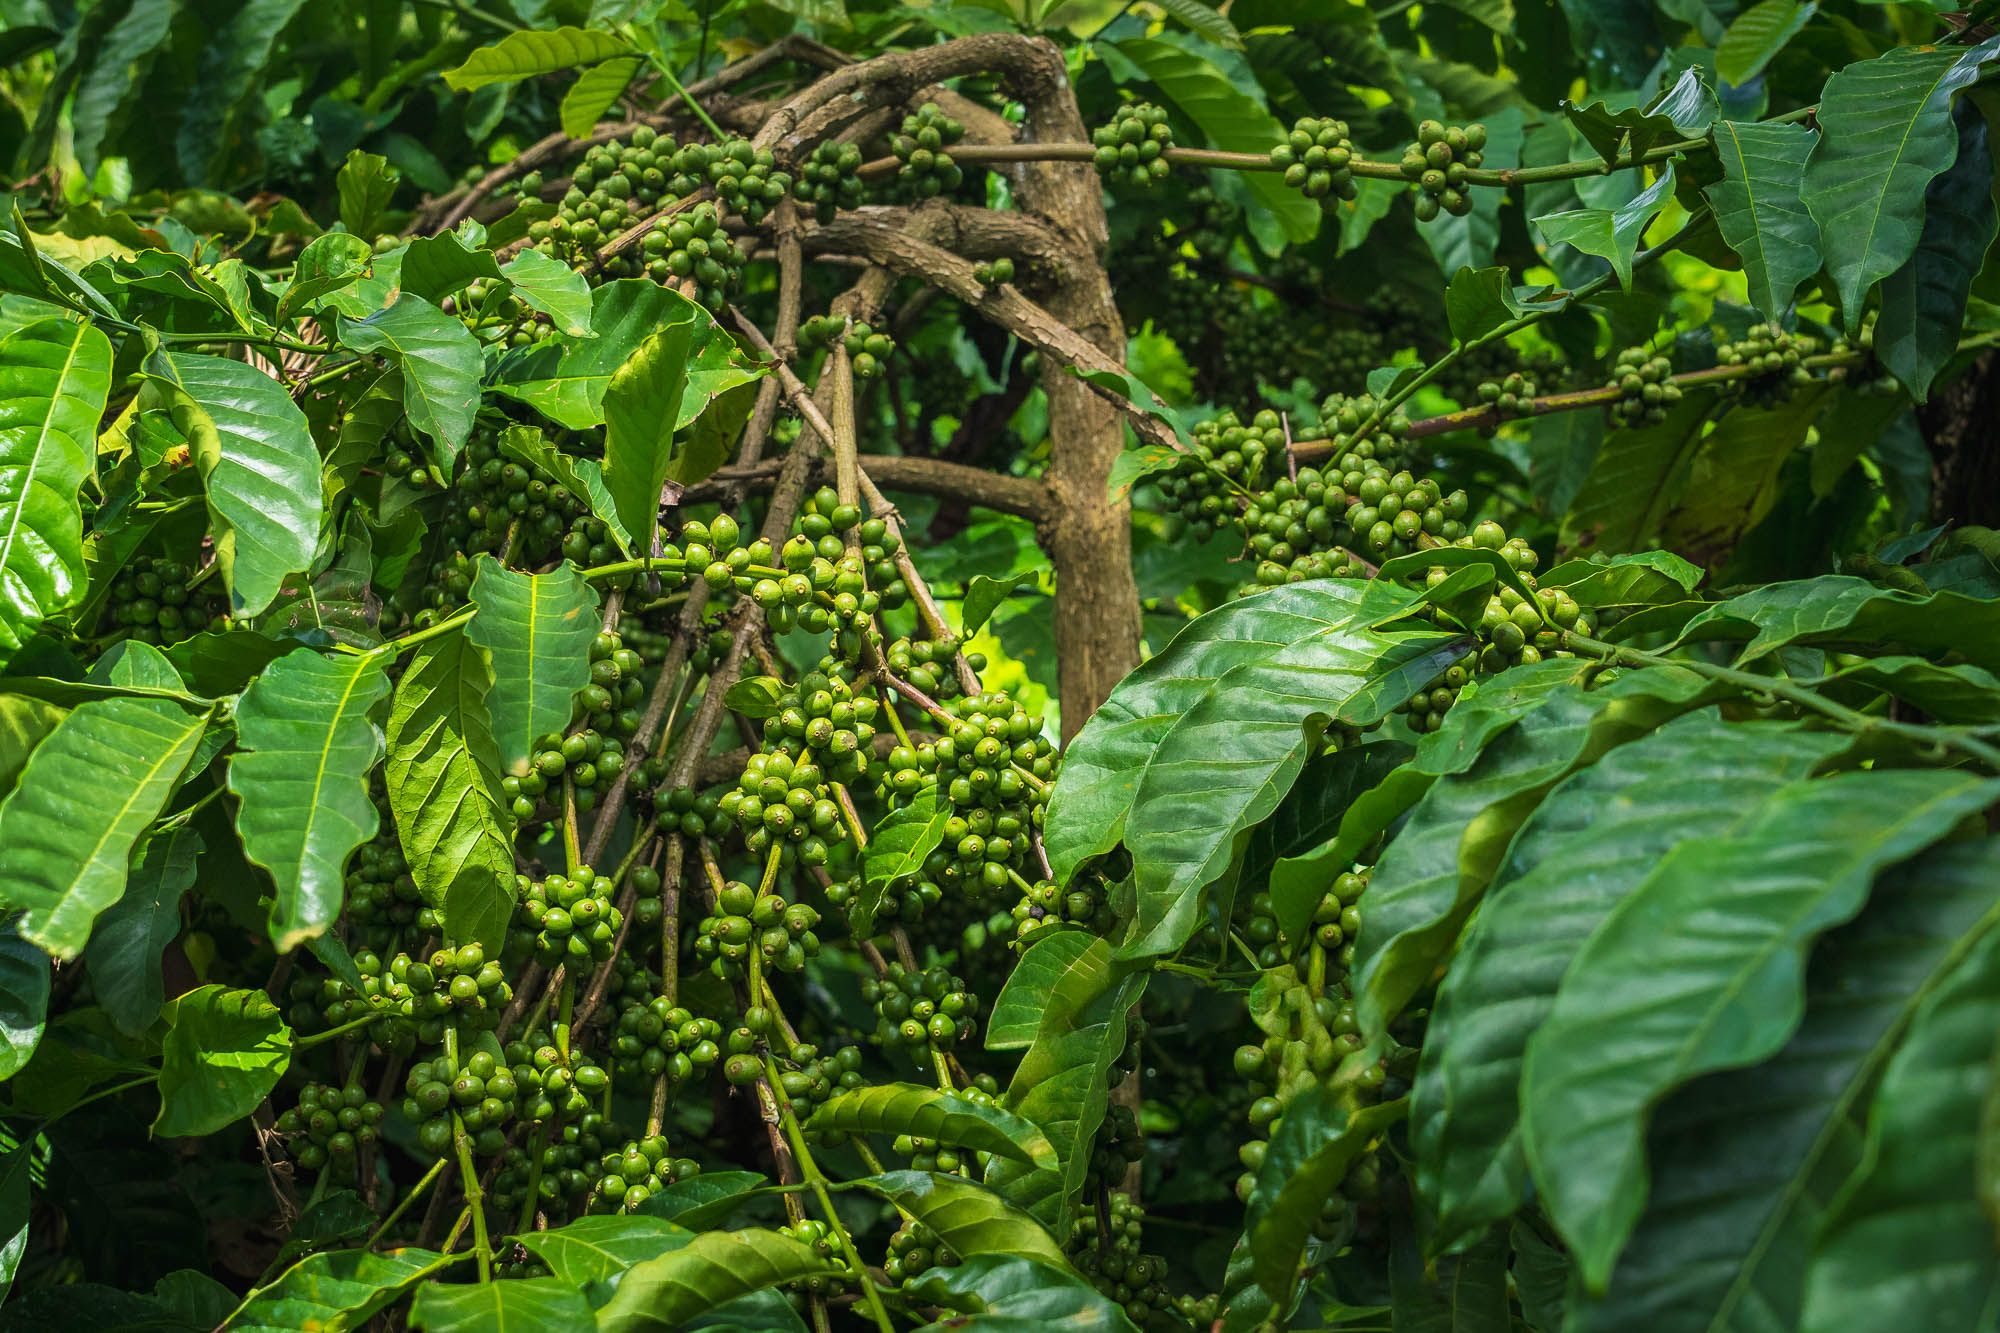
x,y
339,1289
365,183
232,57
1735,478
595,92
440,361
300,778
24,1000
583,476
997,1293
1720,997
521,55
714,1267
1747,1163
83,799
1104,765
984,596
124,953
1590,843
435,267
55,375
1961,694
328,263
546,1304
1885,133
896,851
1060,1082
1842,608
1758,34
14,1201
969,1219
642,403
703,1200
1684,110
592,1249
1924,301
1641,578
1229,118
565,378
1611,234
223,1052
927,1113
1908,1234
106,92
444,790
534,631
1435,871
23,723
1759,209
1479,300
1322,1134
1017,1011
256,456
1637,475
552,287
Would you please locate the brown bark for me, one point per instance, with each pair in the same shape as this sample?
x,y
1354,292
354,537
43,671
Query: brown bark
x,y
1962,424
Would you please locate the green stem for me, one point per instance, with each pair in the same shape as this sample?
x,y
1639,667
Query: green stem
x,y
306,1043
403,1206
475,1197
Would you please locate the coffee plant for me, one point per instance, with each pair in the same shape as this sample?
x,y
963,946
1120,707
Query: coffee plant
x,y
999,665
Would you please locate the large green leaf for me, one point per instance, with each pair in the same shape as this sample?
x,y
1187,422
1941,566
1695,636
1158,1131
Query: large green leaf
x,y
55,375
1683,110
1434,872
1060,1082
554,288
1652,999
998,1293
1758,34
1759,210
440,361
1017,1011
1322,1134
87,793
534,630
257,458
110,87
703,1200
23,723
641,405
340,1289
1230,118
1908,1234
327,264
124,953
444,791
1590,843
1461,1293
546,1304
1635,479
521,55
592,1249
223,1052
968,1218
1841,608
927,1113
895,852
716,1266
1611,234
1734,480
1748,1162
1923,302
233,56
1885,132
300,777
595,91
565,378
14,1202
24,1000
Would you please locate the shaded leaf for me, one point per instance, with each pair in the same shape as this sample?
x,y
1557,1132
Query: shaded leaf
x,y
543,1303
895,852
329,262
968,1219
365,184
440,361
1636,477
1758,34
520,55
927,1113
1842,608
534,631
223,1052
642,403
435,267
233,56
1759,208
997,1293
714,1267
24,1004
1923,302
124,953
1322,1134
702,1200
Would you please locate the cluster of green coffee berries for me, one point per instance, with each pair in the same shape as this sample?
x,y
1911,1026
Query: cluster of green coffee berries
x,y
994,767
334,1124
562,1167
1773,360
1438,162
1358,425
1316,514
743,176
994,272
570,918
1131,150
611,189
1336,919
819,1238
829,179
1115,1263
633,1173
497,316
914,1249
921,146
1046,903
809,1077
559,1084
655,1036
479,1093
867,348
931,666
461,986
159,601
788,803
498,505
1511,396
691,813
1227,461
694,248
921,1011
1646,390
382,898
781,932
1316,158
586,758
1425,710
